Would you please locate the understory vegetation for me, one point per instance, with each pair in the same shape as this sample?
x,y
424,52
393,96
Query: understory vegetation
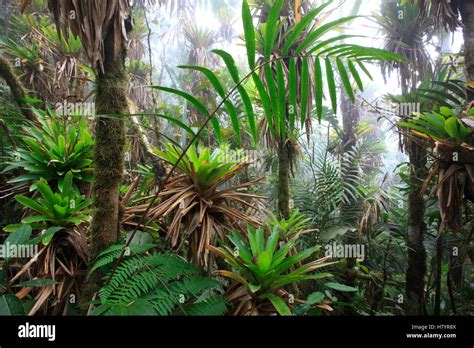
x,y
293,157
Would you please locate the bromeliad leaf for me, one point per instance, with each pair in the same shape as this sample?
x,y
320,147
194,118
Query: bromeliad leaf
x,y
263,266
340,287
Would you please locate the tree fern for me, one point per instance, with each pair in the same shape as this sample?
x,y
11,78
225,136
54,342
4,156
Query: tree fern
x,y
155,284
214,305
113,252
324,182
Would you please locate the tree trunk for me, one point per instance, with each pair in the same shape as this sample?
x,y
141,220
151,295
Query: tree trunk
x,y
16,88
111,98
467,13
283,179
350,121
439,263
415,274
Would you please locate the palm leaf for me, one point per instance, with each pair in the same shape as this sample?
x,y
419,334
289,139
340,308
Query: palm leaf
x,y
271,27
331,85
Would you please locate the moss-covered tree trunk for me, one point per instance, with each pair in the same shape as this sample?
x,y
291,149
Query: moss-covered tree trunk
x,y
111,99
466,8
16,88
350,121
283,179
415,274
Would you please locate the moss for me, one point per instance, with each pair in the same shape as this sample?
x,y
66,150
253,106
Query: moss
x,y
15,85
415,273
111,99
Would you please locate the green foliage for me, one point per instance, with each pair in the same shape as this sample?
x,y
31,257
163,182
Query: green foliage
x,y
56,208
208,167
263,265
139,68
11,305
441,89
450,93
19,234
288,228
63,46
156,284
53,149
442,125
30,56
401,21
197,104
294,49
196,202
324,182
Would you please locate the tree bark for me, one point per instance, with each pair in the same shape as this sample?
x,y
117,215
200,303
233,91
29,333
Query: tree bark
x,y
152,158
15,86
350,121
466,8
283,179
111,99
415,274
439,263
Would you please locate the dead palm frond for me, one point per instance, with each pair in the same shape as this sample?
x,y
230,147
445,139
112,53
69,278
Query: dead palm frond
x,y
90,21
64,261
455,183
443,12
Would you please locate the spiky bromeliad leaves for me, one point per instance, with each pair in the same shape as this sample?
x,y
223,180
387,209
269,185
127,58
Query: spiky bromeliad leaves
x,y
34,72
156,284
52,149
63,253
62,208
59,266
262,267
292,226
401,31
203,200
452,138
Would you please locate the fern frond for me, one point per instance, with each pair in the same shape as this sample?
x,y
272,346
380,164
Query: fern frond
x,y
160,283
113,252
213,306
